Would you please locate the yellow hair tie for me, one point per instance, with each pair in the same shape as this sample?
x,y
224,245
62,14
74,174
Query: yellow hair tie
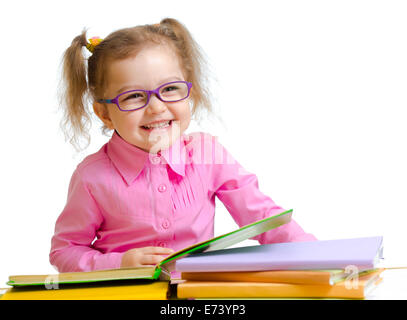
x,y
93,42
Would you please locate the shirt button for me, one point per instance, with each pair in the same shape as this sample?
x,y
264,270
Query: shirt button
x,y
155,160
165,224
162,188
162,244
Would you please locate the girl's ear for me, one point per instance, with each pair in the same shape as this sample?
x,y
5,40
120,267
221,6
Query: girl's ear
x,y
103,114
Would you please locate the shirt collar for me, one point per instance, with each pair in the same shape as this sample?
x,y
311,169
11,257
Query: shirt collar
x,y
130,160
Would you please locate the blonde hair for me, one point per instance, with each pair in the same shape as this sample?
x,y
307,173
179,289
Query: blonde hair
x,y
84,80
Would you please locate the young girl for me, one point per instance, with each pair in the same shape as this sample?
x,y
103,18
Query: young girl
x,y
151,189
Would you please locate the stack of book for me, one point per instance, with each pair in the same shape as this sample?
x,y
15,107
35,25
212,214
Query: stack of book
x,y
132,283
336,268
344,268
114,284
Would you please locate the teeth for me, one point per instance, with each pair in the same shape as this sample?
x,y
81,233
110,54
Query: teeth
x,y
158,125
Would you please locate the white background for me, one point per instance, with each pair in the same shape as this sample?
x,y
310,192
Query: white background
x,y
312,95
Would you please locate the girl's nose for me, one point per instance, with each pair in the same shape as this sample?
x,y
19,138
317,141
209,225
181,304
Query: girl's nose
x,y
155,105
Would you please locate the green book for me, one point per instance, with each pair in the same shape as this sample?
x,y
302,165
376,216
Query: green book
x,y
162,270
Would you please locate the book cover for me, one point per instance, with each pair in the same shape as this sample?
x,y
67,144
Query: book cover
x,y
357,288
363,253
145,290
321,277
161,270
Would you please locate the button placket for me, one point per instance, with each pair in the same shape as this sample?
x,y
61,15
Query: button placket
x,y
160,185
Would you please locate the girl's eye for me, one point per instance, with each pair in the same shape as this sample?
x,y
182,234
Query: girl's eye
x,y
133,96
171,88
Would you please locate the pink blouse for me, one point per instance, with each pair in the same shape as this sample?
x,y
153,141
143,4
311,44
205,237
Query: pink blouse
x,y
122,197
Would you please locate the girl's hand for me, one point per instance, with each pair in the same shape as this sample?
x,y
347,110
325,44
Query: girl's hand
x,y
142,257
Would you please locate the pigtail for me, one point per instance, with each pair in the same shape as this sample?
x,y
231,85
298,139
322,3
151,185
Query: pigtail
x,y
194,63
74,93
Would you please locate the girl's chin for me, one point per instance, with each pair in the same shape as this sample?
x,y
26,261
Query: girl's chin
x,y
161,138
157,142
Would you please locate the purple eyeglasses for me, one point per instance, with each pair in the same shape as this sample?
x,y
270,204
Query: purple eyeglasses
x,y
138,99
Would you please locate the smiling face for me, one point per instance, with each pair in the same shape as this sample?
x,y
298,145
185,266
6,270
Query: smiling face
x,y
150,68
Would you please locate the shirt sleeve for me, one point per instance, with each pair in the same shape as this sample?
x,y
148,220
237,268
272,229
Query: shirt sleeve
x,y
75,230
239,192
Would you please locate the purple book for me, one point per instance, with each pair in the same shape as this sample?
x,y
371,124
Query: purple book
x,y
364,253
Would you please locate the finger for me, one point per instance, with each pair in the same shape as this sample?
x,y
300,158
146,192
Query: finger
x,y
157,250
151,259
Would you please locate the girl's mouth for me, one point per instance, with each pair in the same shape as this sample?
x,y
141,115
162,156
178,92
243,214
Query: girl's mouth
x,y
158,126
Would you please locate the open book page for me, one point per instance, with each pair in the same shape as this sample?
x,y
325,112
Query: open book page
x,y
229,239
146,273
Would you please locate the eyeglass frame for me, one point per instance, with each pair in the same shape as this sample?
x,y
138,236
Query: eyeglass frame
x,y
149,93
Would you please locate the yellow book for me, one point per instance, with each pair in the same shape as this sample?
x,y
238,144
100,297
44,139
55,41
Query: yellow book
x,y
357,288
322,277
150,290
